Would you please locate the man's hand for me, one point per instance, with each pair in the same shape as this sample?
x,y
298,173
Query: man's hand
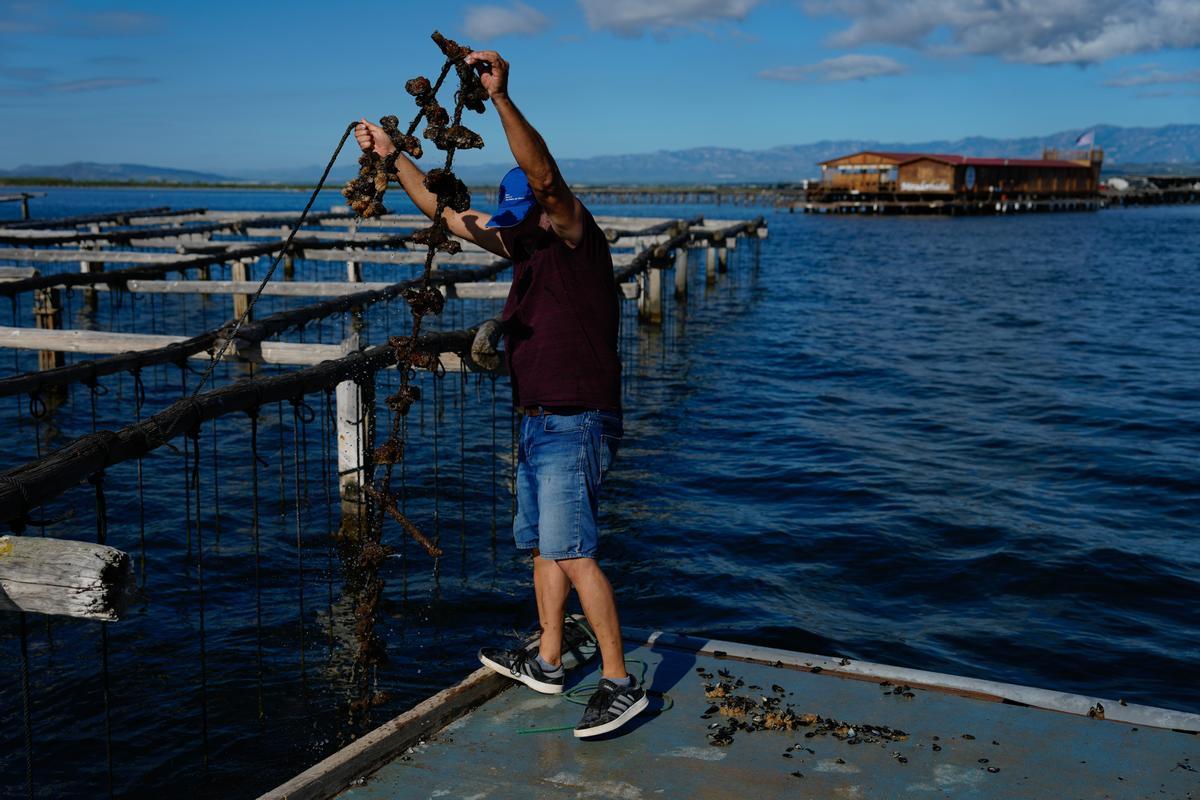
x,y
372,137
493,71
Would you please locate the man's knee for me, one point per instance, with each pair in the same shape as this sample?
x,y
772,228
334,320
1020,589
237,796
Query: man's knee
x,y
577,567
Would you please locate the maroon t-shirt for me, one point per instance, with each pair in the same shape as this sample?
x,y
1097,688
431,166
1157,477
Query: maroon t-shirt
x,y
560,322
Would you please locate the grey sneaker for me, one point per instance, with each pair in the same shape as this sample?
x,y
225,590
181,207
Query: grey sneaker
x,y
521,665
611,707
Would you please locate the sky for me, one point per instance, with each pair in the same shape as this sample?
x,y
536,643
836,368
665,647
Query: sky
x,y
258,85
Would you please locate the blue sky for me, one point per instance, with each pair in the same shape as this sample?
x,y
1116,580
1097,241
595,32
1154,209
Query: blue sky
x,y
225,86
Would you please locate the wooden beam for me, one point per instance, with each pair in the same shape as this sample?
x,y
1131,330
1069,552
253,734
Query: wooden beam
x,y
304,354
119,217
63,577
332,775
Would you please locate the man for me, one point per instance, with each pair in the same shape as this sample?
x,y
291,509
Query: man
x,y
560,326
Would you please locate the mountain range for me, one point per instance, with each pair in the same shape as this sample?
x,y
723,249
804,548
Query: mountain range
x,y
1124,149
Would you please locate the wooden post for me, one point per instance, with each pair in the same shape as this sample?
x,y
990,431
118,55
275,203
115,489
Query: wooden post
x,y
89,295
355,409
289,267
353,272
47,315
681,272
25,206
710,266
654,301
722,260
240,272
60,576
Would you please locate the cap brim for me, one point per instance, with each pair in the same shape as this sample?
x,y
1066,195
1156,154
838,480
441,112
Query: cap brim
x,y
509,216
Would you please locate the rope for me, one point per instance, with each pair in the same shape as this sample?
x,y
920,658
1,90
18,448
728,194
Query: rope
x,y
287,246
194,435
254,530
296,445
97,480
27,719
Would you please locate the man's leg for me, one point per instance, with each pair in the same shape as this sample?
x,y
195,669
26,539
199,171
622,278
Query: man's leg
x,y
600,608
551,587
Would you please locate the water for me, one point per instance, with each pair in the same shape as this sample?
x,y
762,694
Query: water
x,y
963,445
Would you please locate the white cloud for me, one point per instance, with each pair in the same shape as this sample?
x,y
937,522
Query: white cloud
x,y
490,22
1026,31
635,17
851,67
1151,75
95,84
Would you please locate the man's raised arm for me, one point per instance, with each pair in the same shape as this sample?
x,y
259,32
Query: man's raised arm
x,y
467,225
530,151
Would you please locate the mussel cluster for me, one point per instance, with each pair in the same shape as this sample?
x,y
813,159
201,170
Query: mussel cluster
x,y
364,193
365,196
445,131
767,712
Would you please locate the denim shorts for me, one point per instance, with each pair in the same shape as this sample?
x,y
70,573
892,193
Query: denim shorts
x,y
561,462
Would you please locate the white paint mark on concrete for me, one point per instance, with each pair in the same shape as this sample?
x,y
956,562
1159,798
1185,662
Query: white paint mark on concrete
x,y
698,753
831,765
524,707
599,790
949,776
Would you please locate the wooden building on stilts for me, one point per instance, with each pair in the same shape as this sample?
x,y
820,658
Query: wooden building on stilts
x,y
932,183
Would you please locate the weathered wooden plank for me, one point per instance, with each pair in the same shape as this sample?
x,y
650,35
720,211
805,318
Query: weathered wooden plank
x,y
77,255
17,273
367,754
119,276
119,217
257,331
63,577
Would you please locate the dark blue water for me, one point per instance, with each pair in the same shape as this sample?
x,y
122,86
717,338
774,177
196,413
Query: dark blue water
x,y
967,445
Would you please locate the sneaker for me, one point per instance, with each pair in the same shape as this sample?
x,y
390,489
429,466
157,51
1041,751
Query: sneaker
x,y
611,707
522,665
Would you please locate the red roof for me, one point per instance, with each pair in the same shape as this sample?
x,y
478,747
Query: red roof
x,y
904,158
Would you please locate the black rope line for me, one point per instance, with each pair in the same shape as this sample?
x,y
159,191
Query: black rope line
x,y
216,481
26,705
328,469
97,480
462,468
194,435
139,400
287,246
495,465
255,459
296,444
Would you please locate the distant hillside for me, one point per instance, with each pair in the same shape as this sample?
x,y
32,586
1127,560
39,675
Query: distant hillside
x,y
1169,144
91,171
1167,148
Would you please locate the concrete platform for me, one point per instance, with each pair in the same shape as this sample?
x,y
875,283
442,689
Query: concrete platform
x,y
960,743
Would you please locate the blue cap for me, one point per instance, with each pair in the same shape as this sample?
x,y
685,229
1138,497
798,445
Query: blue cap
x,y
513,200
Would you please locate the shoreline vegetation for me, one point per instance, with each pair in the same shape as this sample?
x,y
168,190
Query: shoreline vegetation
x,y
1128,170
67,183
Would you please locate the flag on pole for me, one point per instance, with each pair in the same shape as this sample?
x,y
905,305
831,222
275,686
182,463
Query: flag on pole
x,y
1087,139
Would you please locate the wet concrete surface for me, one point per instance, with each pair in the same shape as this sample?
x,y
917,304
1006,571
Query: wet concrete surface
x,y
948,745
